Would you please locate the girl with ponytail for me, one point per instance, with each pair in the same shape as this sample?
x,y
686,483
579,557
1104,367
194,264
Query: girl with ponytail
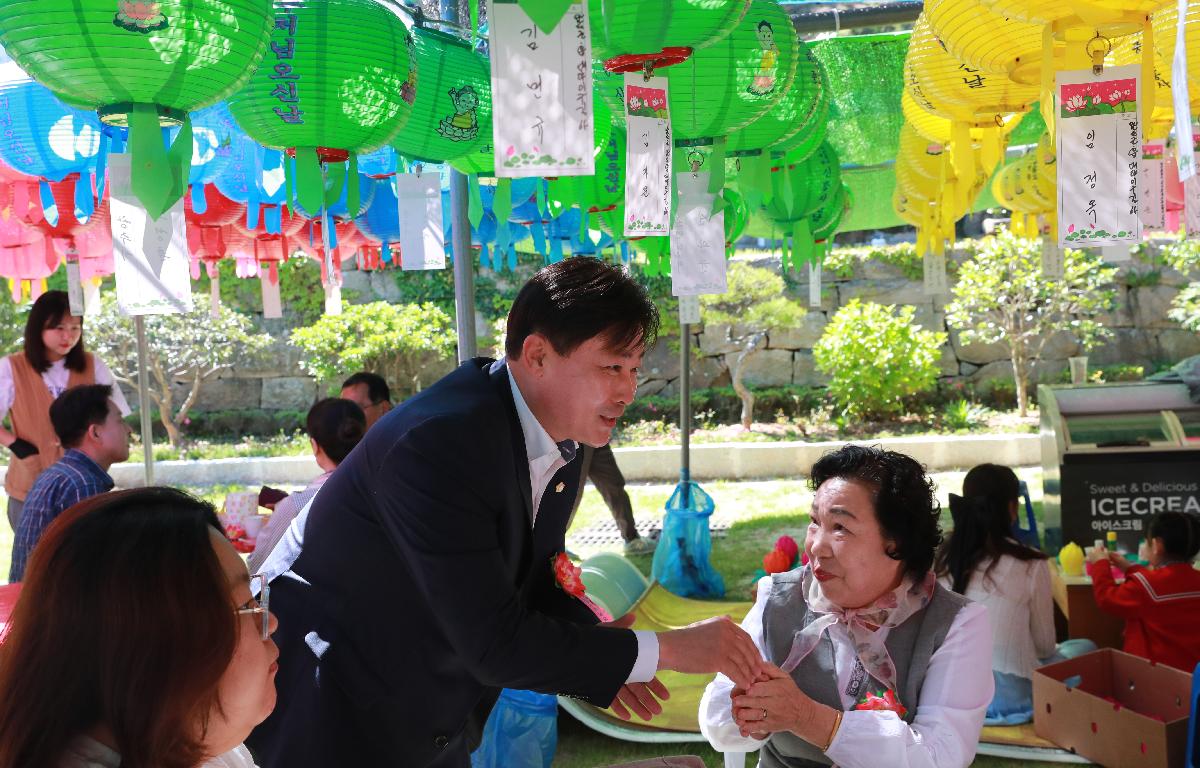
x,y
1161,603
981,560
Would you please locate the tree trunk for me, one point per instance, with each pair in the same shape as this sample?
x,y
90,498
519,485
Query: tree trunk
x,y
1020,376
743,392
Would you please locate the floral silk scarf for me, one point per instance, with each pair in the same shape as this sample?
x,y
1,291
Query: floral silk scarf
x,y
890,610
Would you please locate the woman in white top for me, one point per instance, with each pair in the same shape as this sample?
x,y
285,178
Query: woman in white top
x,y
872,663
334,427
52,360
983,561
136,641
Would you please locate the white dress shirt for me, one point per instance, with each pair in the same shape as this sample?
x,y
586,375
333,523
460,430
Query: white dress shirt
x,y
545,459
954,697
55,378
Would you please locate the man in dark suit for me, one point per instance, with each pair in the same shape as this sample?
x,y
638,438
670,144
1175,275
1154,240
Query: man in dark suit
x,y
425,584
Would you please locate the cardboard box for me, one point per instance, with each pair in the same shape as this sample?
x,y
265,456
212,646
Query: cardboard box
x,y
1115,709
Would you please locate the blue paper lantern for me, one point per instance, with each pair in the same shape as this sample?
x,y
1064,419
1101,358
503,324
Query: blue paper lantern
x,y
41,135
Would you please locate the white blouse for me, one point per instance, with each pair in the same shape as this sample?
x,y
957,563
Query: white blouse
x,y
56,378
945,733
1017,597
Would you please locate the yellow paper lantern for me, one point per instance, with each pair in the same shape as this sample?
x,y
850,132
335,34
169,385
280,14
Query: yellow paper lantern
x,y
984,40
1128,50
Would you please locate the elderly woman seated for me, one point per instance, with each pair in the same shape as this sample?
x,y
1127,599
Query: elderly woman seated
x,y
873,663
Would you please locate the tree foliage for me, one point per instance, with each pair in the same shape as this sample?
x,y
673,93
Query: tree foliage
x,y
1002,296
753,305
410,345
1184,256
876,357
12,323
184,348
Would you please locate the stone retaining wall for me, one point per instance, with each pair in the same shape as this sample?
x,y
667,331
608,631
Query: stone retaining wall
x,y
1143,335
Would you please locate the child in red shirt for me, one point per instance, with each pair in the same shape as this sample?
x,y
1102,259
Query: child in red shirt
x,y
1160,604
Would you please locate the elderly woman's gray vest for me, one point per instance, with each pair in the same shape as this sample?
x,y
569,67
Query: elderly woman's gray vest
x,y
911,645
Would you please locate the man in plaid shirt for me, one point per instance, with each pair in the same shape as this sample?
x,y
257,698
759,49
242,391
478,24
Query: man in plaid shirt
x,y
88,424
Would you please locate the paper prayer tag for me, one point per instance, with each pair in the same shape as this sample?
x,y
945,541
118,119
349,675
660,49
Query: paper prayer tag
x,y
648,156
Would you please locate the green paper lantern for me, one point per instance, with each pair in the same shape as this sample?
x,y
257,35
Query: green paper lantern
x,y
453,105
794,113
339,79
481,162
142,65
178,55
815,126
803,188
611,87
733,82
352,66
824,222
647,26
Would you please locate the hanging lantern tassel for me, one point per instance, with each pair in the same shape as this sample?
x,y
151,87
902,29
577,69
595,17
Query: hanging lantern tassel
x,y
716,174
540,200
160,175
502,207
991,149
485,258
802,243
353,199
84,203
102,165
289,181
335,182
1046,103
474,202
49,206
310,184
960,150
199,201
1147,94
784,256
539,238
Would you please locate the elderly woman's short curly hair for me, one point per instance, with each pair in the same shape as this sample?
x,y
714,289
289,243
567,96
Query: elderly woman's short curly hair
x,y
905,503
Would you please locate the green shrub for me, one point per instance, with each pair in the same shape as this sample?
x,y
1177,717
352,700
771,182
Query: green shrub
x,y
410,345
963,414
877,357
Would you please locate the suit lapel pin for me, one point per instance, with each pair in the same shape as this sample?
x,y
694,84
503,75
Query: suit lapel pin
x,y
559,488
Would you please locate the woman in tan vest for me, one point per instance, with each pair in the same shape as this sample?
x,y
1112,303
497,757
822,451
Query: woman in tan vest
x,y
53,360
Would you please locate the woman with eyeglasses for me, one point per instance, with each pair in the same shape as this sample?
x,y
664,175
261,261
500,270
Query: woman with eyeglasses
x,y
136,641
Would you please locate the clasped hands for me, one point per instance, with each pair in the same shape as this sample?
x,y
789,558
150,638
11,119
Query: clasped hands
x,y
706,647
771,703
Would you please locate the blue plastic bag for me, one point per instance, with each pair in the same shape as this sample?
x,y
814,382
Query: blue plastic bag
x,y
682,560
521,732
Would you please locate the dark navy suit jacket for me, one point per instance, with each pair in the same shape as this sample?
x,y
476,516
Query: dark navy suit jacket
x,y
423,589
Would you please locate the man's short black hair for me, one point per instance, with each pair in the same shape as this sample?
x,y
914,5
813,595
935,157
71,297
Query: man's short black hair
x,y
77,409
905,503
578,299
377,387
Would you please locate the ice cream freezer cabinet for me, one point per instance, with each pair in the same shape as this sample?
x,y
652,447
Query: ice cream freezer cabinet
x,y
1115,455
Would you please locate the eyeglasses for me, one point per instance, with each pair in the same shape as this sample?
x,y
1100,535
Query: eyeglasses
x,y
259,586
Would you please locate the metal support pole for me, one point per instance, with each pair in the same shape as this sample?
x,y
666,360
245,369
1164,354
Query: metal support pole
x,y
144,400
464,267
460,242
685,412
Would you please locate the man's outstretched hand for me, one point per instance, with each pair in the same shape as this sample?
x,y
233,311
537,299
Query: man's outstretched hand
x,y
710,646
641,699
